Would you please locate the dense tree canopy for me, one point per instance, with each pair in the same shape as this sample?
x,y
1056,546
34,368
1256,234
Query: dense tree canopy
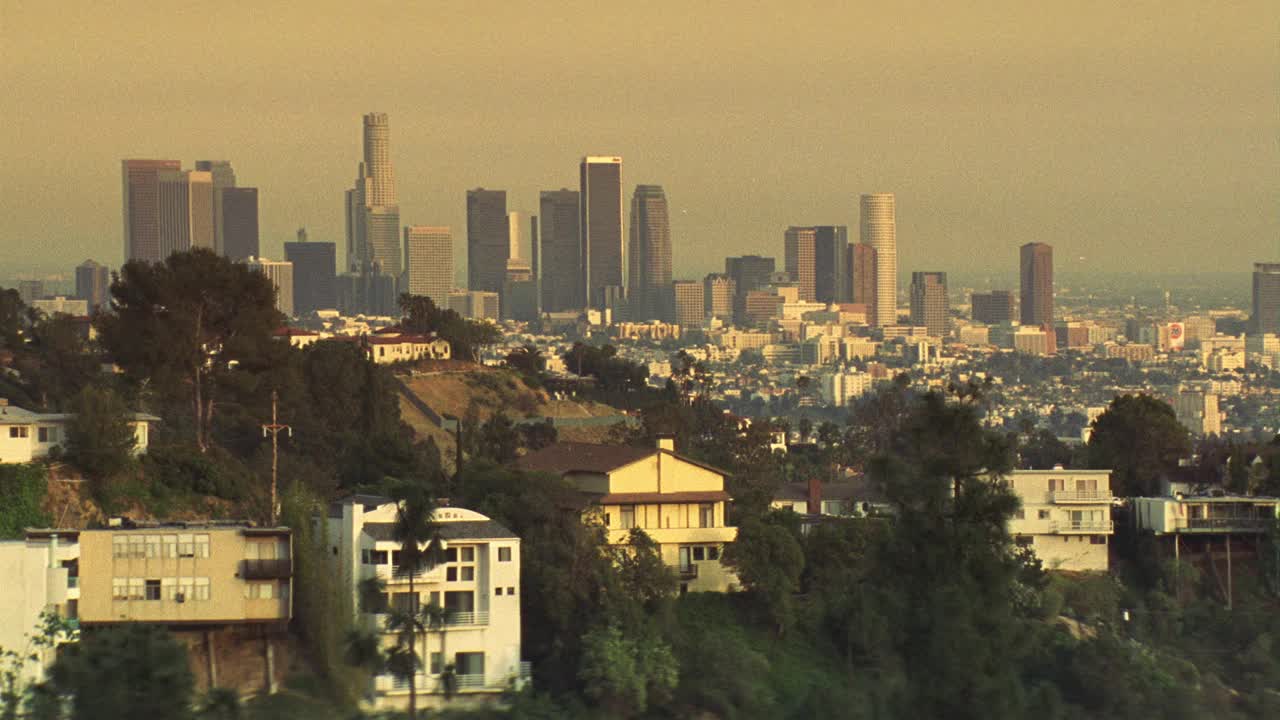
x,y
1140,440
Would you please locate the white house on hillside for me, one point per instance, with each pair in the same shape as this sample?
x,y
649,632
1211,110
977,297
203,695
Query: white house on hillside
x,y
478,586
1065,517
27,435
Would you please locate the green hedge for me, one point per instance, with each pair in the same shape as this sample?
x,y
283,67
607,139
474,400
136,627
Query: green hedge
x,y
22,492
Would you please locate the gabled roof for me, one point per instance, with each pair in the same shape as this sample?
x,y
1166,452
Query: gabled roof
x,y
566,457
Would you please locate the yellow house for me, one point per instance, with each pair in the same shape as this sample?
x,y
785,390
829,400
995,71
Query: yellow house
x,y
680,503
1065,516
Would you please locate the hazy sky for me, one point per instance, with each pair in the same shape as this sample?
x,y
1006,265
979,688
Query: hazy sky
x,y
1131,136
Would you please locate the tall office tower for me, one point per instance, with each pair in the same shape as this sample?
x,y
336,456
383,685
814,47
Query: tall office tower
x,y
879,229
862,277
798,248
373,213
718,291
687,304
930,306
314,268
239,222
30,290
281,276
186,211
93,283
649,271
428,262
1266,298
141,198
223,177
749,272
560,250
992,308
488,239
603,254
1037,284
830,247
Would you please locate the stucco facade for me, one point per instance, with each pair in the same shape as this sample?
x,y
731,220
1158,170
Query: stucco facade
x,y
40,573
27,435
1065,517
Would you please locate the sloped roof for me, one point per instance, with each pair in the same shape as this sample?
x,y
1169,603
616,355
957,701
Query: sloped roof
x,y
566,457
461,530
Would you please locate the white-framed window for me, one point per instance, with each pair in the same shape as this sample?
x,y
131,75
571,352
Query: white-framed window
x,y
153,547
627,516
137,546
19,431
169,543
119,546
202,588
137,588
186,589
259,590
186,545
202,546
168,588
119,588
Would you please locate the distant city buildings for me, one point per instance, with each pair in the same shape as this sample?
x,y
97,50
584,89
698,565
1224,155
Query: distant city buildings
x,y
488,239
603,275
560,256
141,198
879,229
1266,298
280,273
428,262
718,293
930,305
1036,271
688,304
992,308
223,177
185,206
373,211
650,254
314,279
238,222
798,257
30,290
831,282
862,277
93,283
749,273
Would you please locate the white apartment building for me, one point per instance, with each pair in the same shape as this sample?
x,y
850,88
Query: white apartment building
x,y
1065,516
280,273
27,435
1209,514
840,388
478,586
40,573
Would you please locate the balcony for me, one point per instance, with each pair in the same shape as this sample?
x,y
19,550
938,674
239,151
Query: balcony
x,y
470,682
1225,524
1089,527
453,618
688,572
1067,497
266,569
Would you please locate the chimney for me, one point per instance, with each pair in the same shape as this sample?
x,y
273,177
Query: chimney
x,y
815,496
667,443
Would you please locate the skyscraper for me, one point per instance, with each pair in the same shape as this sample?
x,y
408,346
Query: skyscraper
x,y
488,239
862,277
1037,285
799,255
749,272
223,177
373,213
314,282
560,250
239,222
185,211
280,273
992,308
649,274
141,201
688,304
830,247
718,291
1266,298
930,306
428,261
603,254
879,229
93,282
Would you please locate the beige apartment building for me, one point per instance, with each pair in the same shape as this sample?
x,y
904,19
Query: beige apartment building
x,y
678,502
1065,516
186,574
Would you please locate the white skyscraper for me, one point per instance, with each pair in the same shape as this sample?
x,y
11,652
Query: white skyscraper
x,y
880,231
280,273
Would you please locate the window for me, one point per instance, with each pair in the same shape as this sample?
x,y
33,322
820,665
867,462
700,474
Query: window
x,y
186,545
152,544
699,553
451,574
376,557
169,588
437,663
170,544
1087,485
1023,540
497,591
119,546
264,591
468,554
202,546
1020,514
707,515
504,554
137,546
1098,539
137,588
468,574
1056,484
202,588
627,516
451,555
713,552
1042,514
44,434
435,598
16,431
469,663
119,589
511,591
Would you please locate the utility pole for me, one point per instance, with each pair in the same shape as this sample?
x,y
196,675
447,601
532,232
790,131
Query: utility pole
x,y
274,428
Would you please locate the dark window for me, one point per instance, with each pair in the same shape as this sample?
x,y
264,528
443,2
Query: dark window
x,y
1043,514
378,557
1023,541
153,590
451,554
713,553
504,554
406,602
451,574
699,553
497,591
1098,539
707,515
511,591
627,516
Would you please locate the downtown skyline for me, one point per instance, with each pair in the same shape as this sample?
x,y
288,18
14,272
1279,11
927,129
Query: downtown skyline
x,y
738,171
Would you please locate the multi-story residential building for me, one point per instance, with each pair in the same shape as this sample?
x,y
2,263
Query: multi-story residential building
x,y
930,305
280,273
840,388
975,335
1032,341
1065,516
1036,266
745,340
799,255
678,502
141,211
186,574
93,283
428,261
27,435
41,574
879,229
1266,298
1206,515
992,308
1133,352
314,274
600,211
687,304
760,307
649,271
1198,412
477,586
560,251
718,292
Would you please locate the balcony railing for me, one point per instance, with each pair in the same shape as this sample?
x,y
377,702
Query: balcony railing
x,y
526,669
480,617
1081,526
1227,524
1080,496
73,582
470,682
266,569
688,572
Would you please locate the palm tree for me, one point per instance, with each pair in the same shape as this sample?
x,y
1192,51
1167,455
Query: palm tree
x,y
419,546
436,618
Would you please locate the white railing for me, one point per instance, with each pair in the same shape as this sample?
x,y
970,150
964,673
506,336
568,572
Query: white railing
x,y
526,669
1081,526
470,682
480,617
1070,496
